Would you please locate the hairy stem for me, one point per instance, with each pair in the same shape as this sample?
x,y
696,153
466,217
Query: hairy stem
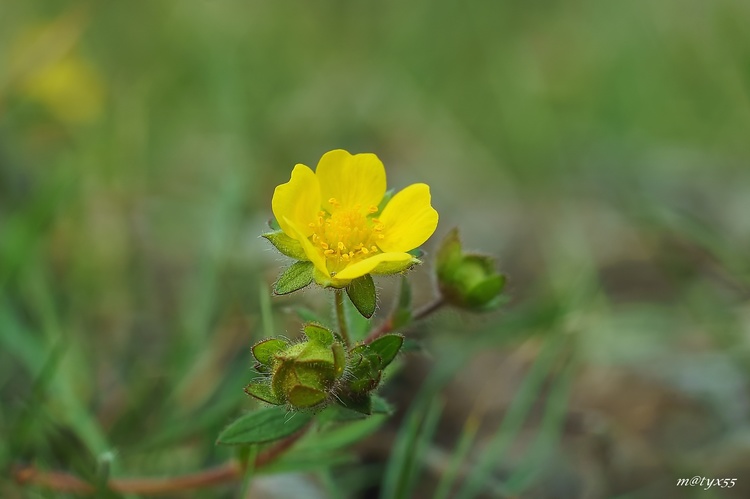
x,y
341,316
387,326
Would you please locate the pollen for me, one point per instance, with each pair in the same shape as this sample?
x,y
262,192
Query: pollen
x,y
346,235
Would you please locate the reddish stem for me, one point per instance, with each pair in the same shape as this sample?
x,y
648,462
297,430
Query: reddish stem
x,y
387,325
228,472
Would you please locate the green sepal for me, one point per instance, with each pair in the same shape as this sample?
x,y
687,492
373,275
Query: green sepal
x,y
386,347
486,295
299,275
324,280
362,293
339,359
448,257
416,253
315,353
467,280
261,390
264,350
286,245
305,396
364,370
388,268
319,334
359,402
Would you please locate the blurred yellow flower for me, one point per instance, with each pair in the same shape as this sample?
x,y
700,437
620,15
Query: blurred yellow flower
x,y
70,88
48,69
335,215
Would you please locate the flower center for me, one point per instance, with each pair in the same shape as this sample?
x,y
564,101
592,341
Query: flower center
x,y
346,235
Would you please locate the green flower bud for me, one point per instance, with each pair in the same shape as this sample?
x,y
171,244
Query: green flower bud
x,y
365,371
468,281
301,374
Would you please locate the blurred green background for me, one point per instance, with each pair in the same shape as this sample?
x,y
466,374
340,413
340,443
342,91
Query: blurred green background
x,y
599,149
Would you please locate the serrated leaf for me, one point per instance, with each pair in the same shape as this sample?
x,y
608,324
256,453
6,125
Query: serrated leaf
x,y
387,347
299,275
286,245
319,334
262,391
362,293
264,350
265,425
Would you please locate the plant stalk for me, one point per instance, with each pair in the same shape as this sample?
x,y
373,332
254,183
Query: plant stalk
x,y
341,316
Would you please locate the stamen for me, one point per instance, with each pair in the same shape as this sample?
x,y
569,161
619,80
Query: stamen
x,y
372,209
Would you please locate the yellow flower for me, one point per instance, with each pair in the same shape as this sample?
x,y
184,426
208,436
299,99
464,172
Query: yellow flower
x,y
334,215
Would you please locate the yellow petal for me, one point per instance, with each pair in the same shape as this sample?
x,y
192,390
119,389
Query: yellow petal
x,y
350,180
298,200
368,265
408,219
314,254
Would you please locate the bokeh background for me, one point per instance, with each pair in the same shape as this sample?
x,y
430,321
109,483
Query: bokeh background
x,y
600,150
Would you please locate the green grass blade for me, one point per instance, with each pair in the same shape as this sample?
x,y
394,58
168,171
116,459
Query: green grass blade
x,y
512,422
411,442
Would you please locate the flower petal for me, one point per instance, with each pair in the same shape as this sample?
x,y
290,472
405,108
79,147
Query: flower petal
x,y
298,201
313,253
409,219
368,264
351,180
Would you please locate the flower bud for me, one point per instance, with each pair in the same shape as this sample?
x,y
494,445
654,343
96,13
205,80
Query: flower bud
x,y
302,374
467,281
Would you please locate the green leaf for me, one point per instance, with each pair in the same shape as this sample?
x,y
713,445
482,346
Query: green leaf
x,y
387,347
262,391
264,350
362,293
319,334
299,275
265,425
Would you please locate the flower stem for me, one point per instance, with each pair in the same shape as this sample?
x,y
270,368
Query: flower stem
x,y
341,316
226,473
419,314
